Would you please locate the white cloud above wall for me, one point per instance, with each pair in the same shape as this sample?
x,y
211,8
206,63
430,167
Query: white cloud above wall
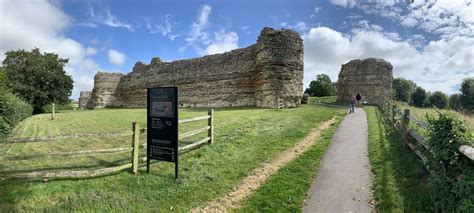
x,y
26,25
327,49
116,57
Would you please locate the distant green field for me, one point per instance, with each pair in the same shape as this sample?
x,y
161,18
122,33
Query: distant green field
x,y
422,112
244,138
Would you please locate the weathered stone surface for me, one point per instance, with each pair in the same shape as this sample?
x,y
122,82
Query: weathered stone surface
x,y
372,78
104,92
305,98
253,76
84,98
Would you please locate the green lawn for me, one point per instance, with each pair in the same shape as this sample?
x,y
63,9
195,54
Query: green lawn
x,y
400,183
422,112
244,139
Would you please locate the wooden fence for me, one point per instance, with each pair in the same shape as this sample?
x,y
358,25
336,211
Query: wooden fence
x,y
413,138
134,149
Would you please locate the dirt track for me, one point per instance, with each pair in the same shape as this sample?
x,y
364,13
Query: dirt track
x,y
260,175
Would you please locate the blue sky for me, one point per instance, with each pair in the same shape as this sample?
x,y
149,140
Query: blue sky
x,y
430,42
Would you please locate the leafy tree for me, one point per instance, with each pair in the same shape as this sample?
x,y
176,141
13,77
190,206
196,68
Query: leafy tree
x,y
418,97
322,86
403,89
455,102
3,82
37,78
438,99
467,94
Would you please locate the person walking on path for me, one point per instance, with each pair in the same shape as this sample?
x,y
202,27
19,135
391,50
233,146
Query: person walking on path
x,y
358,98
352,103
344,179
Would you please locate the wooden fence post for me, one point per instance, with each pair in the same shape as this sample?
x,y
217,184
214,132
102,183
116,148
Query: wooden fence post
x,y
52,111
210,122
135,144
394,111
406,122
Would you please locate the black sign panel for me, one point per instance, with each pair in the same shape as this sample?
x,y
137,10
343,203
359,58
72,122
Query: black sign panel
x,y
162,125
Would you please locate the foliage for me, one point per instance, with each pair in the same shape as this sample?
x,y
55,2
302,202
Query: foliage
x,y
403,89
322,86
455,102
58,107
453,181
438,99
3,83
418,97
37,78
12,111
467,94
400,182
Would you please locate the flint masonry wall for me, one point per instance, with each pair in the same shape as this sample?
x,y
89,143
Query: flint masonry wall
x,y
83,99
254,76
371,77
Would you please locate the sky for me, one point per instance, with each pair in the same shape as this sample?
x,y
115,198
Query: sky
x,y
429,42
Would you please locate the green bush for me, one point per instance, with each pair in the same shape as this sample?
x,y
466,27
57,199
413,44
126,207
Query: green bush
x,y
49,108
453,181
12,111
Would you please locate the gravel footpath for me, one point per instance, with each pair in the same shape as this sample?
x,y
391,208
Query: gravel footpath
x,y
344,180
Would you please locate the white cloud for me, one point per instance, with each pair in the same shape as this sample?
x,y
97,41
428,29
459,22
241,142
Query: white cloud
x,y
116,57
197,32
30,24
105,17
443,17
440,65
222,42
165,28
91,51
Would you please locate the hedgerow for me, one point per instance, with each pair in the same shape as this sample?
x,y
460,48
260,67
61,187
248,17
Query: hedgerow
x,y
12,111
453,178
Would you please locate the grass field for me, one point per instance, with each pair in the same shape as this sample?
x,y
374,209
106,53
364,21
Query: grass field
x,y
400,180
422,112
244,139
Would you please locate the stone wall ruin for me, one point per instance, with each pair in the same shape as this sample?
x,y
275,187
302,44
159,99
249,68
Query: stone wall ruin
x,y
257,75
371,77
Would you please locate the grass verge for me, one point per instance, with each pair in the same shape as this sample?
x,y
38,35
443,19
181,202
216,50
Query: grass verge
x,y
244,139
286,190
401,183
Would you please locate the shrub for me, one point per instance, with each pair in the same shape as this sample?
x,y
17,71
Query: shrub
x,y
49,107
418,97
438,99
453,181
12,111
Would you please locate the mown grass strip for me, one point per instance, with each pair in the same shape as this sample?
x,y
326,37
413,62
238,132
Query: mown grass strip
x,y
244,139
400,182
286,190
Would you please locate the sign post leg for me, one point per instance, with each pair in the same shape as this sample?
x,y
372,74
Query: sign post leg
x,y
176,170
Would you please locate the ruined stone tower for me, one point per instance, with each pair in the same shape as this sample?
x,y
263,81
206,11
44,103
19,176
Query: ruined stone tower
x,y
257,75
371,77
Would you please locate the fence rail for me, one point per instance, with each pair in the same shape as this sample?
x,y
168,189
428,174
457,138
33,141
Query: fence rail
x,y
401,122
134,149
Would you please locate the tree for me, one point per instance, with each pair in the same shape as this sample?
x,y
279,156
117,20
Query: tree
x,y
455,102
3,83
467,94
37,78
418,97
438,99
403,89
322,86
